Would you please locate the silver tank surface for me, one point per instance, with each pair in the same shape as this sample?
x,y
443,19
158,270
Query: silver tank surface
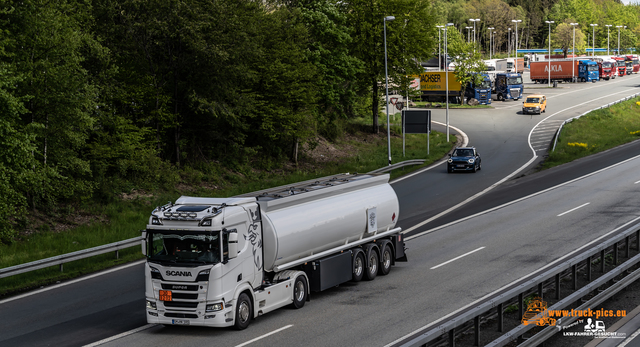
x,y
310,217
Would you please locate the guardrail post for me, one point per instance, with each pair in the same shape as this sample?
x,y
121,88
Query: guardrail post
x,y
520,309
452,337
476,323
574,276
638,240
501,317
557,286
589,269
602,254
615,254
60,267
117,254
540,290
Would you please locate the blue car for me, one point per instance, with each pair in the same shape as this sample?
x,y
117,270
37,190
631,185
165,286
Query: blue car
x,y
464,159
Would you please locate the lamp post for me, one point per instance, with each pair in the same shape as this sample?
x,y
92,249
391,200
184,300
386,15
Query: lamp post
x,y
573,53
446,76
516,45
386,77
549,67
490,41
608,26
468,34
509,43
620,26
474,32
439,54
593,38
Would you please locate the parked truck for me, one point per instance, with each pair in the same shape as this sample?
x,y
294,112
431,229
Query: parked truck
x,y
564,70
432,85
606,69
620,65
223,261
507,86
515,65
634,62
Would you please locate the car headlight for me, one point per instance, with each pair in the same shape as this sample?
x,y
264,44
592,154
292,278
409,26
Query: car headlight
x,y
537,106
471,161
215,307
450,160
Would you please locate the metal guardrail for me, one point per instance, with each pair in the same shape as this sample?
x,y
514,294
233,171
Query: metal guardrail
x,y
65,258
436,330
398,165
555,140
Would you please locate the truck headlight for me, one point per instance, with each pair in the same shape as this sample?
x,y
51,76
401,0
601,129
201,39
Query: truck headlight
x,y
471,161
151,305
450,160
156,221
215,307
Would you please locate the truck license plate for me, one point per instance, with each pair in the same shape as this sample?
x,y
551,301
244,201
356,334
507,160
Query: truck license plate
x,y
165,295
180,321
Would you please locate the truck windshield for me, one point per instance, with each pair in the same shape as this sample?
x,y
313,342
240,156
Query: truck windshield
x,y
509,65
636,61
606,65
592,67
184,248
485,85
620,63
514,80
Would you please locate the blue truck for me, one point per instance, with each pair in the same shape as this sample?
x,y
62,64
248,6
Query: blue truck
x,y
507,86
481,91
588,71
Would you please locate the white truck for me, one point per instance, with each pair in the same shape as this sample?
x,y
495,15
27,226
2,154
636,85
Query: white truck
x,y
224,261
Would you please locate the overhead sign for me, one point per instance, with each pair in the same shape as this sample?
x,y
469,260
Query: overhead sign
x,y
417,121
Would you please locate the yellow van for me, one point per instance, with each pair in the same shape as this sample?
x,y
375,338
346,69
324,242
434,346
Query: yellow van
x,y
534,104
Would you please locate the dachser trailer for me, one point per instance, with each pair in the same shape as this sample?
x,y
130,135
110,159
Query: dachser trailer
x,y
221,262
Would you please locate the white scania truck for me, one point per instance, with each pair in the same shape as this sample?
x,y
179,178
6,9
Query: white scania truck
x,y
223,261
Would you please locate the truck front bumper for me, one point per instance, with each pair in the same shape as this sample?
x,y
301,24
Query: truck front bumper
x,y
222,318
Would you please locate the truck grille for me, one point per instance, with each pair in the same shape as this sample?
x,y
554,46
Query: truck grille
x,y
181,304
180,315
515,93
187,288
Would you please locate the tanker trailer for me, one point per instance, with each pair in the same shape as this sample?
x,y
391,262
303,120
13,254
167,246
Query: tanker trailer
x,y
223,261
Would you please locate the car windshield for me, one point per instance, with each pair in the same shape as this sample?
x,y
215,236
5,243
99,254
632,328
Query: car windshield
x,y
533,100
184,248
593,67
463,153
514,80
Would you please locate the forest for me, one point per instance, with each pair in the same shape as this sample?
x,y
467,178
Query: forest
x,y
99,97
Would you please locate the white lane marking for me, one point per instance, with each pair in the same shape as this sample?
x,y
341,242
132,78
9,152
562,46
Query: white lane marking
x,y
265,335
72,281
488,296
636,182
115,337
629,339
465,142
514,201
573,209
456,258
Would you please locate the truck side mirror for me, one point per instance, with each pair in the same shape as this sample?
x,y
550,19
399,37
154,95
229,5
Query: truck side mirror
x,y
233,244
144,243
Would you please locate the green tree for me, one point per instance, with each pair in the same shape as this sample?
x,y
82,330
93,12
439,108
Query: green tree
x,y
468,63
562,37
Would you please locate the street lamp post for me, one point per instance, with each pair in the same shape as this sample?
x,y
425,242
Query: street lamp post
x,y
549,67
474,32
608,26
468,34
620,26
593,38
446,76
386,77
490,40
573,54
516,44
439,54
509,44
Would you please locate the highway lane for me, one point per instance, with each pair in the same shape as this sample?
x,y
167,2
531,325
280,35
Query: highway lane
x,y
502,138
509,243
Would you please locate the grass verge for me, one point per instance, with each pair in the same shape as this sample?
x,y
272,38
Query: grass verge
x,y
125,218
596,132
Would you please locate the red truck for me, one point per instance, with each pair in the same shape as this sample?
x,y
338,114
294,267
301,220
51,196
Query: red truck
x,y
607,69
622,67
634,62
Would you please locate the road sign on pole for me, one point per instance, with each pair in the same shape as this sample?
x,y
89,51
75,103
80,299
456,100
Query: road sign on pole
x,y
416,122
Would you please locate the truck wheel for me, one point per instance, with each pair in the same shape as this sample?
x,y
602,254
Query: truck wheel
x,y
500,97
385,262
371,270
244,311
358,267
299,292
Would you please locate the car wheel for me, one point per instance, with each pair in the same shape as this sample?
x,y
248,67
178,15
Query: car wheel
x,y
480,166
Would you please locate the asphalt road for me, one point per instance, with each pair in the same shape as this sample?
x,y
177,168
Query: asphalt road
x,y
517,239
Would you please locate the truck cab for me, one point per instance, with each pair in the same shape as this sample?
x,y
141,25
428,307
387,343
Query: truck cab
x,y
635,62
507,86
620,65
588,71
480,92
606,69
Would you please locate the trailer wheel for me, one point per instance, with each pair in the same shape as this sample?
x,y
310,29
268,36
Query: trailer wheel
x,y
299,292
385,262
371,270
358,267
244,311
